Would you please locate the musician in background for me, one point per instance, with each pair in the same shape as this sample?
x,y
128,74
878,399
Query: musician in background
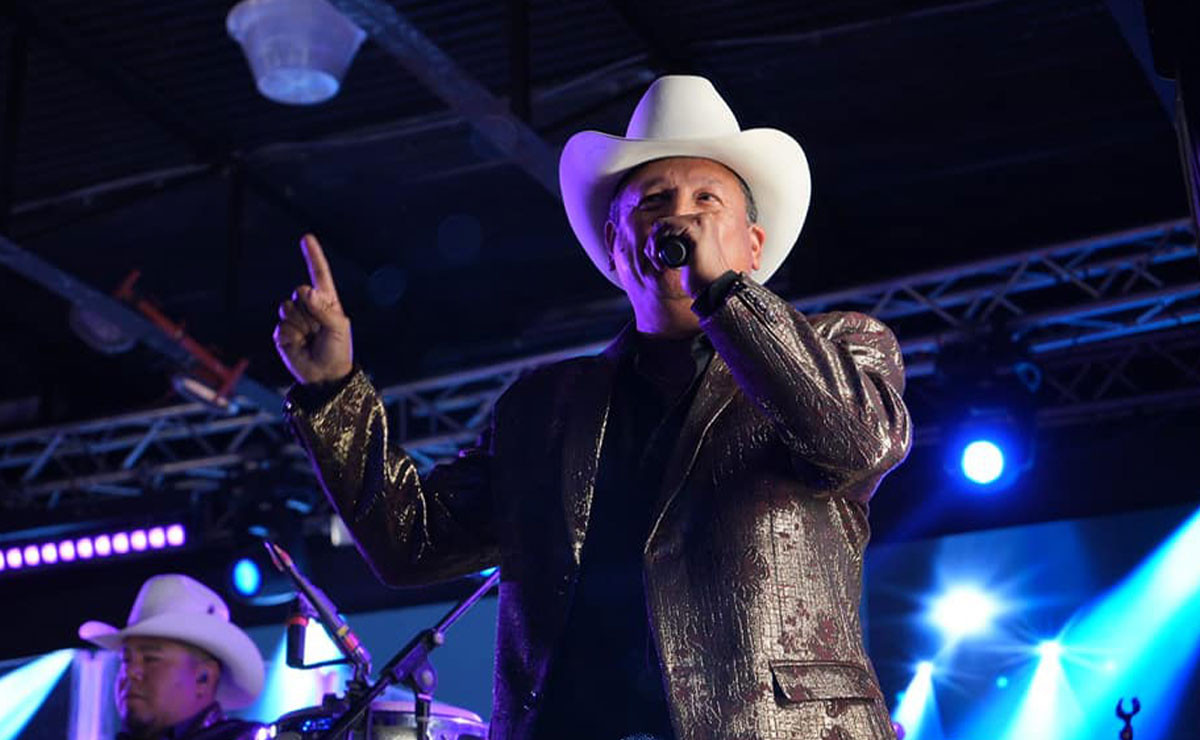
x,y
182,664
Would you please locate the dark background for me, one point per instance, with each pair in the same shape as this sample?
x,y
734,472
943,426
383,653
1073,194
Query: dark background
x,y
939,133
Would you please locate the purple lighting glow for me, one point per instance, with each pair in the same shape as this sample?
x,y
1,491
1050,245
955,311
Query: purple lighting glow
x,y
53,552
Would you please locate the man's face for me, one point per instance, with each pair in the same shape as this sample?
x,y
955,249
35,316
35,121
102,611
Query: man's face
x,y
677,186
161,683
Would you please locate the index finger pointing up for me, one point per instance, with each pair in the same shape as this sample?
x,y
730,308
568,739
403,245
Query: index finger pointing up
x,y
318,267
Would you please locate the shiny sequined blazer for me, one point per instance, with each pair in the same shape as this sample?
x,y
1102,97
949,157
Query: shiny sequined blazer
x,y
753,565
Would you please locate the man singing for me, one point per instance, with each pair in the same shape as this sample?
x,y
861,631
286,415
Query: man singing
x,y
680,520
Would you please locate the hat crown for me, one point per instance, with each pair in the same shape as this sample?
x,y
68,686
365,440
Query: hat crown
x,y
176,594
681,107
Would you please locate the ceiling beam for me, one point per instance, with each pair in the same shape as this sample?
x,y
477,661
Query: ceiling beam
x,y
133,324
669,53
1131,22
465,95
146,100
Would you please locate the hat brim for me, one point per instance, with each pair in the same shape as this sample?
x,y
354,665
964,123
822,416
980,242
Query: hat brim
x,y
771,162
242,671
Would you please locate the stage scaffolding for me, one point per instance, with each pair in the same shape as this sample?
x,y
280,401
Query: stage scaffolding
x,y
1108,320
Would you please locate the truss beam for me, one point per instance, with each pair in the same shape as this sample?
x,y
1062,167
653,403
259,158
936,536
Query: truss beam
x,y
1110,321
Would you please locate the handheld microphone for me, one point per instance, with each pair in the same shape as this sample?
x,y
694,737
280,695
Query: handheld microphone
x,y
674,250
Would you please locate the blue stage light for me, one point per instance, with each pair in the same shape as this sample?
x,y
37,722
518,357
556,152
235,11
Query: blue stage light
x,y
982,461
916,710
246,577
963,611
23,690
288,689
988,448
1050,650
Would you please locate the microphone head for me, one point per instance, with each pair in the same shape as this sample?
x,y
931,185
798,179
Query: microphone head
x,y
296,625
674,250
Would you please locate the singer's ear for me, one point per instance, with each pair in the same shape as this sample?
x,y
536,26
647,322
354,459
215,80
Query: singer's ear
x,y
610,239
758,237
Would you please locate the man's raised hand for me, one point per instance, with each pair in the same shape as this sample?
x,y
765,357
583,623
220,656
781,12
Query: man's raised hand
x,y
313,333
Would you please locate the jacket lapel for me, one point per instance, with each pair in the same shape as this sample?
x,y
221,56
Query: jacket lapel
x,y
716,390
585,406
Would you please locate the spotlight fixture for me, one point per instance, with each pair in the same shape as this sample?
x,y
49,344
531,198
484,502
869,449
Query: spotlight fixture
x,y
989,388
252,579
989,448
246,577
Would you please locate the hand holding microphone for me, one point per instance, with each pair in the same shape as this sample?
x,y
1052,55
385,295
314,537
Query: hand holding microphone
x,y
702,246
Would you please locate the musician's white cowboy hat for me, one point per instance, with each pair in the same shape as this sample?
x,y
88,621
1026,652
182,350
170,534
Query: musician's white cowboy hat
x,y
180,608
684,116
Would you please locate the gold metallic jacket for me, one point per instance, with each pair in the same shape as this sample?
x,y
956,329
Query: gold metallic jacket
x,y
753,565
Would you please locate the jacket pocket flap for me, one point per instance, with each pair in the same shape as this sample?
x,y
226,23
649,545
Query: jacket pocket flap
x,y
809,681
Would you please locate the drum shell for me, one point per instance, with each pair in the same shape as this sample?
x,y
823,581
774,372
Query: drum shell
x,y
386,721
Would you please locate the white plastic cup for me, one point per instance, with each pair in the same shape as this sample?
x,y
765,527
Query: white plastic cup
x,y
298,50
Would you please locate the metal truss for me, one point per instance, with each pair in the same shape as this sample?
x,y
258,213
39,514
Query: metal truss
x,y
1108,320
123,455
491,117
1047,300
1146,374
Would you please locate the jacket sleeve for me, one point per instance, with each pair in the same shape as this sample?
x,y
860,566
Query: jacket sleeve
x,y
410,530
831,384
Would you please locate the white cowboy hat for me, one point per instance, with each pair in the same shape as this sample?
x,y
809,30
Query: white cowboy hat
x,y
684,116
180,608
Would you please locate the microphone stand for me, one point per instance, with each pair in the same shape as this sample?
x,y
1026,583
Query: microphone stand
x,y
315,599
411,667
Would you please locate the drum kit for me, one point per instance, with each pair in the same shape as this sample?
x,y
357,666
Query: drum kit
x,y
365,712
385,720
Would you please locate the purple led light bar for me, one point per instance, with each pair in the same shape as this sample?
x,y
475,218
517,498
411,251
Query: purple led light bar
x,y
103,545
